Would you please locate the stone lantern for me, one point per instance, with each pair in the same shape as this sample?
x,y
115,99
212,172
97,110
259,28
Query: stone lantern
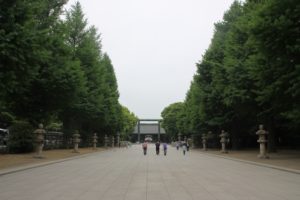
x,y
262,142
204,138
40,132
76,140
105,141
113,142
223,141
179,137
95,140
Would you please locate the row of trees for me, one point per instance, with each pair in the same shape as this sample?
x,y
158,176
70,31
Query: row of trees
x,y
53,69
249,75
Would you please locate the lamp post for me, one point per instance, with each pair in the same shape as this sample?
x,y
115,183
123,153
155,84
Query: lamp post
x,y
204,137
40,132
95,140
76,141
105,141
179,137
262,142
223,141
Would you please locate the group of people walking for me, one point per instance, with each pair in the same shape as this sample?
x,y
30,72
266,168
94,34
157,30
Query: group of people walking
x,y
157,148
185,147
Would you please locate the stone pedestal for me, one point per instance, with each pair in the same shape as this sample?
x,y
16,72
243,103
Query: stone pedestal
x,y
76,140
105,141
262,142
113,142
204,138
223,141
95,140
39,141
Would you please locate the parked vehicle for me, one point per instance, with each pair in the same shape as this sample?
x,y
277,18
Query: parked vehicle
x,y
4,133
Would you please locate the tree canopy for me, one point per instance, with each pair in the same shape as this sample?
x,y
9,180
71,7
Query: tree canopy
x,y
53,69
249,75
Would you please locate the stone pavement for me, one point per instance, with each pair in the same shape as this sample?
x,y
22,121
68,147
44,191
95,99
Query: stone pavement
x,y
284,159
127,174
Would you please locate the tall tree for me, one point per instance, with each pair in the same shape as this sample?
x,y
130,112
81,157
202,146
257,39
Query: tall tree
x,y
35,66
276,33
129,121
98,108
249,75
171,116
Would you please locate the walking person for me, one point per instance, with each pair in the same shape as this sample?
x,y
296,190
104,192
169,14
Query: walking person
x,y
145,147
165,146
184,148
187,146
177,145
157,145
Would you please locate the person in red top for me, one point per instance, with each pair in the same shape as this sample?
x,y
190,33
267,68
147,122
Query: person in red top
x,y
145,147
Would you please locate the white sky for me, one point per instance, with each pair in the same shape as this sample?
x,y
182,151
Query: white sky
x,y
154,45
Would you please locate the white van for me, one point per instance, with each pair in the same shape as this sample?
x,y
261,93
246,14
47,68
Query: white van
x,y
4,133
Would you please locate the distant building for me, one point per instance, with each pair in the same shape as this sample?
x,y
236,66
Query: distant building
x,y
148,128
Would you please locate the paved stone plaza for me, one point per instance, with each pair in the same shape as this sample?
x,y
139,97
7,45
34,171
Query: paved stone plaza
x,y
128,174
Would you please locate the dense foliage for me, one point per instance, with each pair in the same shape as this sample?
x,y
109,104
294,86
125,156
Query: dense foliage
x,y
172,118
129,121
53,70
249,75
21,138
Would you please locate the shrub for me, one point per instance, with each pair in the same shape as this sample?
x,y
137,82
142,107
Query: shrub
x,y
21,138
6,119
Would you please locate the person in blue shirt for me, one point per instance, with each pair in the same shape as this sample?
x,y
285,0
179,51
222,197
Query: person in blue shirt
x,y
165,146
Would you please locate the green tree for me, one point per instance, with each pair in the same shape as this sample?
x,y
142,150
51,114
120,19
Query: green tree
x,y
113,110
129,121
54,71
98,108
39,78
248,75
276,32
171,119
21,137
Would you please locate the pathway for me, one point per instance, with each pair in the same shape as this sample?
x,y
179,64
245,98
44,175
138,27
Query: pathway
x,y
126,174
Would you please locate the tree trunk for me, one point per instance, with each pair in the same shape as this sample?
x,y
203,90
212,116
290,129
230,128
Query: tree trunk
x,y
235,138
272,147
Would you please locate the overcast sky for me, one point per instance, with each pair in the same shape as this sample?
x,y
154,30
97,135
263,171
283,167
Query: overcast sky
x,y
154,45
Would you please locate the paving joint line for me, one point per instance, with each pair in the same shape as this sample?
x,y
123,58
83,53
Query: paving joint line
x,y
165,185
32,166
147,175
254,163
180,182
110,186
95,181
131,177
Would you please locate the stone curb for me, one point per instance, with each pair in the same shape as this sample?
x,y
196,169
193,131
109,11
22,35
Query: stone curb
x,y
295,171
32,166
